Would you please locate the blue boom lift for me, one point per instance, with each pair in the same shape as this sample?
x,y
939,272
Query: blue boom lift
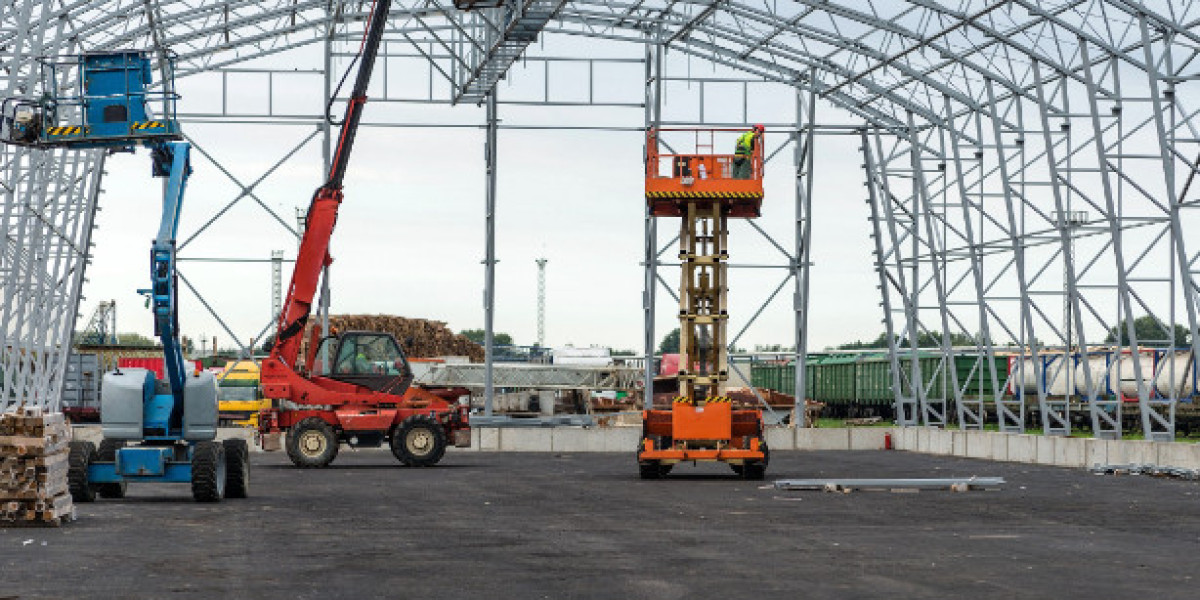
x,y
172,423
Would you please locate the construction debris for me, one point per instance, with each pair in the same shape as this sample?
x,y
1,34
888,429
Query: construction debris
x,y
954,484
429,339
1147,469
33,469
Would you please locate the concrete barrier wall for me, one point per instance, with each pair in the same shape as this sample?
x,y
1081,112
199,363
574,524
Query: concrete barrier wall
x,y
1038,449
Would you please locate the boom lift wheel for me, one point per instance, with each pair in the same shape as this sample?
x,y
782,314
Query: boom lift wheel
x,y
237,468
80,456
108,453
419,441
312,443
208,472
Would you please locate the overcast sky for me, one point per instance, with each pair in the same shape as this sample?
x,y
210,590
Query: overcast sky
x,y
410,239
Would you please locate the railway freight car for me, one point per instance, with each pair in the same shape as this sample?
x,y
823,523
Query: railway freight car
x,y
855,385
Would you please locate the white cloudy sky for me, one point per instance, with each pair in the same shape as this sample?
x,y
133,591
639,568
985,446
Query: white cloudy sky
x,y
410,237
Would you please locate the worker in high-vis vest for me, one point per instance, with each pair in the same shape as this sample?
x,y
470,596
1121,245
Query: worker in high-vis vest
x,y
743,161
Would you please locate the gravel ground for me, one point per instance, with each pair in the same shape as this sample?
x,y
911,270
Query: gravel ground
x,y
526,526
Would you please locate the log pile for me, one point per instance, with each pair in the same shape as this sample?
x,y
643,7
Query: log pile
x,y
33,469
429,338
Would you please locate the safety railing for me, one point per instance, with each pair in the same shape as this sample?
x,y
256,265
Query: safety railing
x,y
702,162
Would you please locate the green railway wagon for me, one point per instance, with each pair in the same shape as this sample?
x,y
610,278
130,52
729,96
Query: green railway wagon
x,y
874,380
974,377
836,379
773,377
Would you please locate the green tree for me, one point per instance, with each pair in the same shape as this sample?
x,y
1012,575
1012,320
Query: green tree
x,y
670,343
1150,332
927,339
477,336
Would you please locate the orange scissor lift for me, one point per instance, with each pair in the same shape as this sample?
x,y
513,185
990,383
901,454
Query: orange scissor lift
x,y
701,424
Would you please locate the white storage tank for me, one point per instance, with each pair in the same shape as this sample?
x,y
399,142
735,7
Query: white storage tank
x,y
1055,373
1097,366
1176,376
1122,375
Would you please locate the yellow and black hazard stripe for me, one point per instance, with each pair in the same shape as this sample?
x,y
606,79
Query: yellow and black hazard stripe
x,y
715,195
147,125
719,400
69,130
682,400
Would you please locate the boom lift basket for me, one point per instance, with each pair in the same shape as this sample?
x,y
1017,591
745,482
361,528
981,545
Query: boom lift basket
x,y
94,100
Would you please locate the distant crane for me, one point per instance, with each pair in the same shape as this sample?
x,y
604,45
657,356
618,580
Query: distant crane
x,y
541,314
102,326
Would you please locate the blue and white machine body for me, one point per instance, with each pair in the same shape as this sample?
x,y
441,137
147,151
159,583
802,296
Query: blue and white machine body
x,y
135,406
172,421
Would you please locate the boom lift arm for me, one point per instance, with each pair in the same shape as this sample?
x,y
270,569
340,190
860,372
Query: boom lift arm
x,y
170,160
322,212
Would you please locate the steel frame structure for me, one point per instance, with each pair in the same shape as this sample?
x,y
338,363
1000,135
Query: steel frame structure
x,y
982,123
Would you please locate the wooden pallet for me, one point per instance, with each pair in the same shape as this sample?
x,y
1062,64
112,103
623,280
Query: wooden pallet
x,y
49,512
33,469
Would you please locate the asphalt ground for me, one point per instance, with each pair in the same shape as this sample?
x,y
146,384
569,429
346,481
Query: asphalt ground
x,y
529,526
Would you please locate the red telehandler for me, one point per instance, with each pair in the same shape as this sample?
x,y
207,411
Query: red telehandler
x,y
355,386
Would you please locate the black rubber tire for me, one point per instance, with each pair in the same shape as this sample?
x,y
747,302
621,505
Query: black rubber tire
x,y
649,469
312,443
419,441
108,453
757,470
237,468
208,472
79,458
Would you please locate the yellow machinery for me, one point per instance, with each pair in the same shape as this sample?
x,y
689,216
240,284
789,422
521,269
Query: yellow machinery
x,y
240,397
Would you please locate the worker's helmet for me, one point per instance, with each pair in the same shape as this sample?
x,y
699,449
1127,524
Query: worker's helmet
x,y
759,128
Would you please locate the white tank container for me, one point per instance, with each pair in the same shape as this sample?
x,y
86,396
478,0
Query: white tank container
x,y
1176,377
1122,375
1055,375
1096,365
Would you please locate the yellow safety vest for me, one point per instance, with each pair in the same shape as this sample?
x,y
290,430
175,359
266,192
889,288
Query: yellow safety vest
x,y
745,144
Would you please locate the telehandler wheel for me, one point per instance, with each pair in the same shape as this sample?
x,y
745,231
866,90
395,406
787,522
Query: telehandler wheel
x,y
312,443
237,468
108,453
419,441
79,458
208,472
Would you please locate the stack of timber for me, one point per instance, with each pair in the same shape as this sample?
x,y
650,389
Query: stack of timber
x,y
429,338
33,469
